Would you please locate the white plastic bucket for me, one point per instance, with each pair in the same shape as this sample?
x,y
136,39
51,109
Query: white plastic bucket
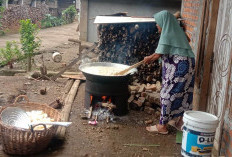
x,y
198,133
56,56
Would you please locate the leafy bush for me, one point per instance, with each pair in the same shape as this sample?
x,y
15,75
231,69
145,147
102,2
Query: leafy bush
x,y
51,21
28,32
69,14
10,53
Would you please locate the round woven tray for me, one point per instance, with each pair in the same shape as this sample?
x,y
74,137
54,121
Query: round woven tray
x,y
17,141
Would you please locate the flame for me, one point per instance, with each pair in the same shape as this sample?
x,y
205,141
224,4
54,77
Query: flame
x,y
91,99
104,98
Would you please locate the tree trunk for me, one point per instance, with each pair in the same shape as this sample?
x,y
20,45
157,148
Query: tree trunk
x,y
28,64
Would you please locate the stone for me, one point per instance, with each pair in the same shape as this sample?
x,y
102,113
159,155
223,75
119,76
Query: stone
x,y
148,121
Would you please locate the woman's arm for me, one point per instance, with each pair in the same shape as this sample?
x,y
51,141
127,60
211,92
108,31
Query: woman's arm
x,y
152,58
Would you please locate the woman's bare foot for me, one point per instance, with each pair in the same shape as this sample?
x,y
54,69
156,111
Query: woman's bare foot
x,y
162,129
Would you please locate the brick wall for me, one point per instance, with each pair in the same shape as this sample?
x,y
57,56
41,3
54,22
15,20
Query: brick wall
x,y
226,143
191,12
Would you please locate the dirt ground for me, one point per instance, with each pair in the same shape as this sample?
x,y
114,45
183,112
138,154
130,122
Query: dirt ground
x,y
83,139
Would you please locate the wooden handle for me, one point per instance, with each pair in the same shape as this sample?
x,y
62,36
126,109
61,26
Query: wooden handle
x,y
131,67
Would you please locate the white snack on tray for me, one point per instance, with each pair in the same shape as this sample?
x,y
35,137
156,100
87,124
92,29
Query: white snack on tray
x,y
38,116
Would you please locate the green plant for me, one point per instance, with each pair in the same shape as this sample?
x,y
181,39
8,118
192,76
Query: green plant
x,y
28,39
69,14
10,54
51,21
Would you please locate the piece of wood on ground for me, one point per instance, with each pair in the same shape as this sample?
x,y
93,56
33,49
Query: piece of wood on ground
x,y
67,108
142,88
86,44
76,77
133,88
56,104
149,110
131,98
138,103
151,87
74,40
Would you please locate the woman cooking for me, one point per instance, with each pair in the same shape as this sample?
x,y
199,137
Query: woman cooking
x,y
178,65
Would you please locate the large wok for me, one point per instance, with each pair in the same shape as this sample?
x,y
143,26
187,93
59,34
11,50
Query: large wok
x,y
101,78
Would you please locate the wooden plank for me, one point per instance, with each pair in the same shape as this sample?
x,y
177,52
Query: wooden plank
x,y
199,55
76,77
121,19
67,108
74,40
209,53
84,20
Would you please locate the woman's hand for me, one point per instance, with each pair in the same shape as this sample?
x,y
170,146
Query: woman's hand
x,y
151,58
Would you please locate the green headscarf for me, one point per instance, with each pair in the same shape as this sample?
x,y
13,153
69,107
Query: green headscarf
x,y
173,39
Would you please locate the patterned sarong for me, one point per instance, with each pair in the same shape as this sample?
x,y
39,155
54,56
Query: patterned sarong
x,y
176,95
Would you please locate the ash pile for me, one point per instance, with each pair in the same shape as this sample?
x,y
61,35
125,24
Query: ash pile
x,y
129,43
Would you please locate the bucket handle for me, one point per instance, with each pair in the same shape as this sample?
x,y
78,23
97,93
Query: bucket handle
x,y
21,96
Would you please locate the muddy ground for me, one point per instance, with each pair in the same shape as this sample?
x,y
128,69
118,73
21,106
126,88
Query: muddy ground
x,y
83,139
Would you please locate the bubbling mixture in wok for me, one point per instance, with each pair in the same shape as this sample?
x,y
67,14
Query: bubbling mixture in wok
x,y
102,70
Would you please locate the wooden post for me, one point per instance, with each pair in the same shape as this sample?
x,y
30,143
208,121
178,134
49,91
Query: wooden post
x,y
84,20
203,24
67,108
213,15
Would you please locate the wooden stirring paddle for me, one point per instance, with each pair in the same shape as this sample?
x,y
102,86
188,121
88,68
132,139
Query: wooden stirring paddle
x,y
128,69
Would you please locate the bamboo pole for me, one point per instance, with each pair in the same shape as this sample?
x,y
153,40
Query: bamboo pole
x,y
67,108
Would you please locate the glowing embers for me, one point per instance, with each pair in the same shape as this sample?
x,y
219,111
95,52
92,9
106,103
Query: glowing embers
x,y
101,108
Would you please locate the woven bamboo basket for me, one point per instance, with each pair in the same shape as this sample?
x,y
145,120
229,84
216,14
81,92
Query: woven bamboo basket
x,y
18,141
